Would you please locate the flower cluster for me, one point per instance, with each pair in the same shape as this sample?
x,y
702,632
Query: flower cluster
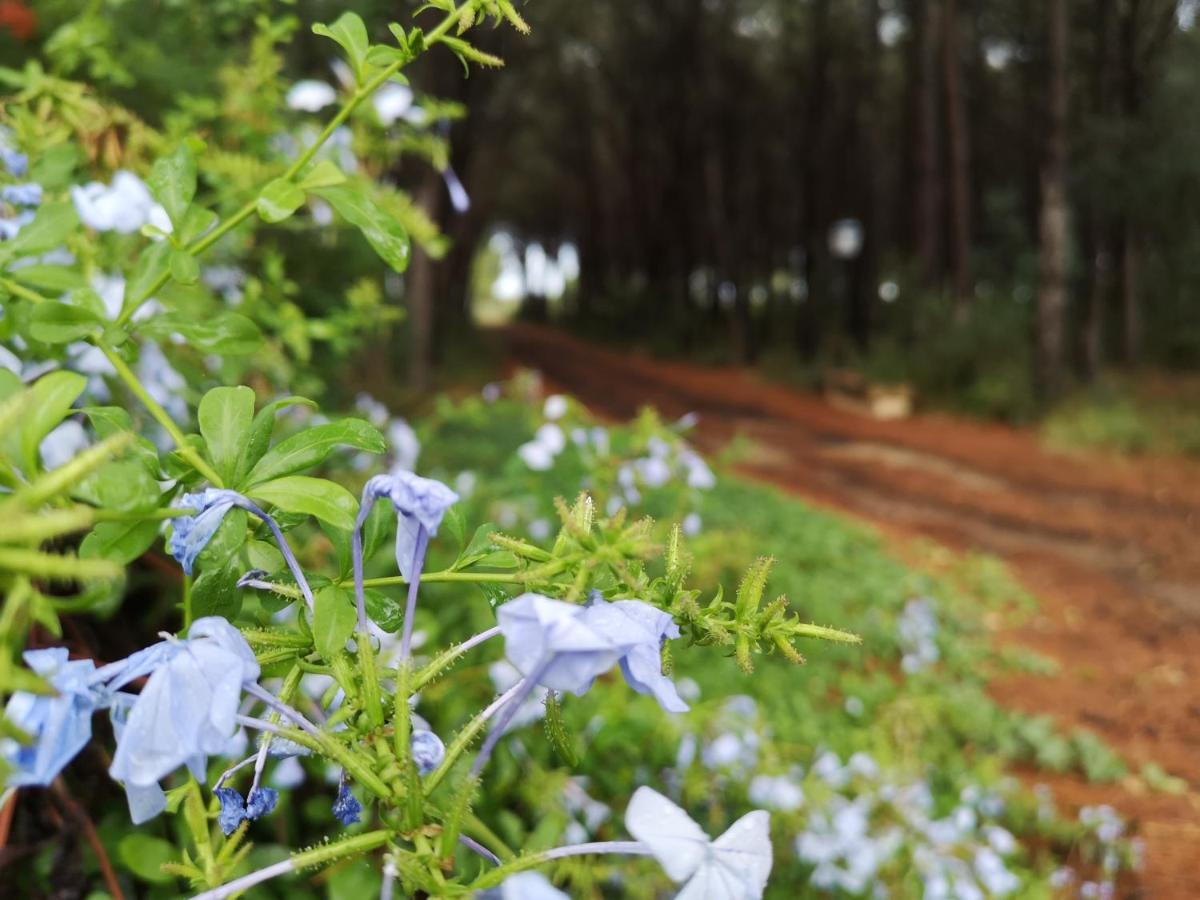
x,y
917,630
124,206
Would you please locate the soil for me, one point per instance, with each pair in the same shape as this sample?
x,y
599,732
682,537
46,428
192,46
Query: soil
x,y
1107,545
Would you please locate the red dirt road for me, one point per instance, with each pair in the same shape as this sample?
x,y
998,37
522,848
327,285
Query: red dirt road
x,y
1109,547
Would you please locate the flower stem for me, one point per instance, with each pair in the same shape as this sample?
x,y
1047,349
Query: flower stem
x,y
448,577
448,657
284,548
318,856
464,738
247,209
524,689
533,860
410,608
186,450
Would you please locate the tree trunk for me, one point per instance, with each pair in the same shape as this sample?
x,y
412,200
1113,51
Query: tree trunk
x,y
1131,315
958,140
1054,227
421,288
927,205
808,316
1099,280
864,280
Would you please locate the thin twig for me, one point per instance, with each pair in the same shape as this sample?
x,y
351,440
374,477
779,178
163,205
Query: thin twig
x,y
80,816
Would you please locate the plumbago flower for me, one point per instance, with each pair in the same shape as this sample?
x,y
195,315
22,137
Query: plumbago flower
x,y
186,712
60,726
420,505
124,206
564,647
193,533
735,866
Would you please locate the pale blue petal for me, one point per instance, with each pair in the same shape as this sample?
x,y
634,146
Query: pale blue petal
x,y
419,503
187,710
428,751
60,726
406,544
550,637
191,534
145,801
524,886
645,627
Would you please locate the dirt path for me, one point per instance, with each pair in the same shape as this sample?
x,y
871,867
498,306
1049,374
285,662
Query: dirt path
x,y
1108,546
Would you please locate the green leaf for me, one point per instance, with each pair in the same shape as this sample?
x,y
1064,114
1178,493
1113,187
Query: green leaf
x,y
260,434
313,446
184,267
456,526
120,542
350,32
278,200
225,417
54,221
109,420
53,322
384,233
226,334
144,855
377,528
322,174
333,620
382,55
384,610
325,500
196,222
122,484
215,593
152,265
172,181
53,395
50,279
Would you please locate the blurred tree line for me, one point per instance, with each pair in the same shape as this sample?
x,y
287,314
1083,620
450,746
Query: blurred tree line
x,y
988,196
1005,186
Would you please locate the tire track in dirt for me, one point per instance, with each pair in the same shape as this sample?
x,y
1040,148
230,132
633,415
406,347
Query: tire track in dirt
x,y
1108,547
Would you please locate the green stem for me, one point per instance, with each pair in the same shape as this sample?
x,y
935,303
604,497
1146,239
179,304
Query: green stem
x,y
247,209
450,577
117,515
186,450
18,290
54,566
187,602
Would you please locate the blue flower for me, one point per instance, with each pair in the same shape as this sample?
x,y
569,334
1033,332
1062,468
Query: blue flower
x,y
420,503
261,802
565,646
192,533
235,810
346,808
60,726
124,207
428,751
546,638
186,712
10,228
29,194
17,163
648,627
